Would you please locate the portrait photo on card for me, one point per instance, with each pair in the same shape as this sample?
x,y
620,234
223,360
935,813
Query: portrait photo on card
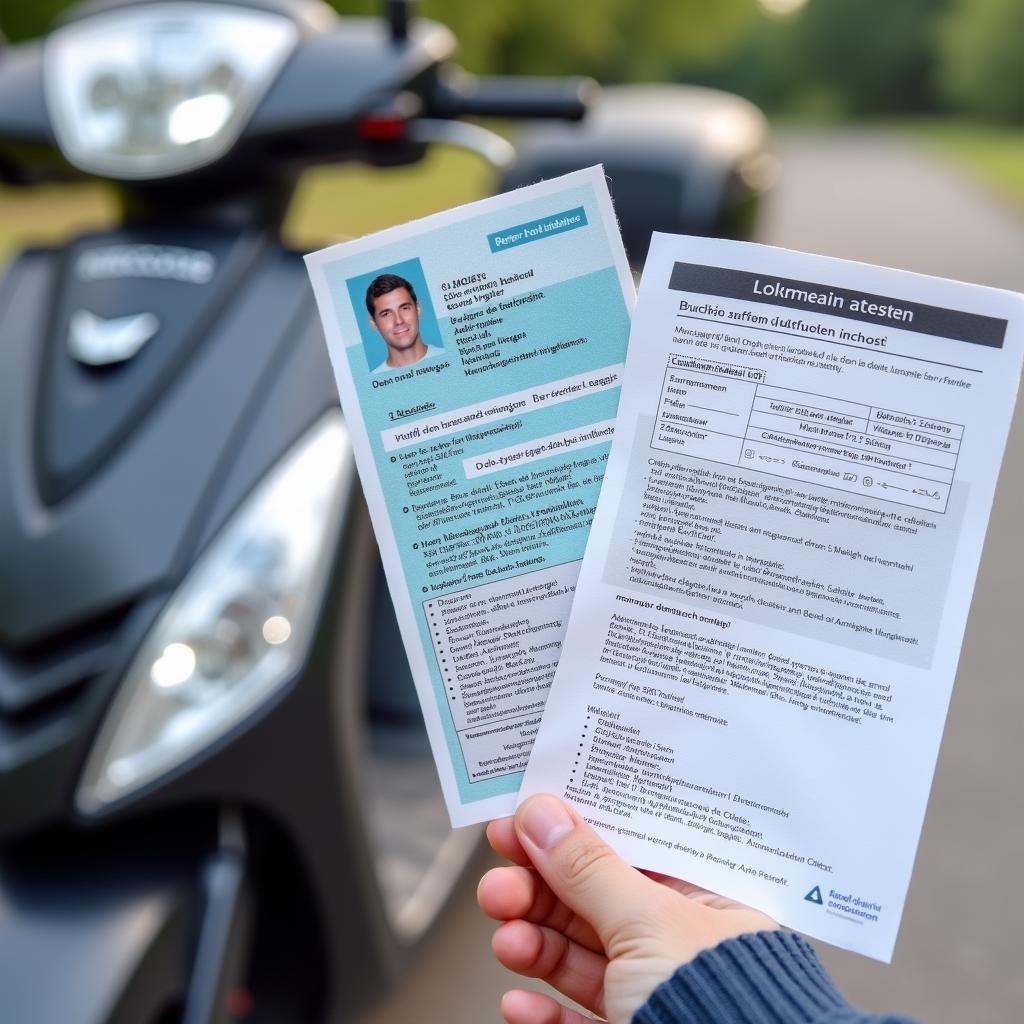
x,y
396,317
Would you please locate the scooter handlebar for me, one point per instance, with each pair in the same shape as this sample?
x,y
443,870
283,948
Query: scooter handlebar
x,y
464,95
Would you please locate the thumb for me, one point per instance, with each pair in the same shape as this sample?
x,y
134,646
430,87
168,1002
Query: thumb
x,y
581,869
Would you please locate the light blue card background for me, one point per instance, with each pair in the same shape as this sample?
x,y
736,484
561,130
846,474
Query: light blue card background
x,y
583,297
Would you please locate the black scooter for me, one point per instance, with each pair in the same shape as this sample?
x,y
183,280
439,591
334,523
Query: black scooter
x,y
217,802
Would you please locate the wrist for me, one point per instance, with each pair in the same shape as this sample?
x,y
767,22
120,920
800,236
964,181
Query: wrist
x,y
767,977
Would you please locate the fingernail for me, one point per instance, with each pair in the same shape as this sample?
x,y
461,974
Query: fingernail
x,y
545,820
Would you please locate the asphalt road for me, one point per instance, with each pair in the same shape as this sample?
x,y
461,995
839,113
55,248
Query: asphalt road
x,y
869,197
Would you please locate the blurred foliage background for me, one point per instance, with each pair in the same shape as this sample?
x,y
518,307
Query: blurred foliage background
x,y
948,74
821,58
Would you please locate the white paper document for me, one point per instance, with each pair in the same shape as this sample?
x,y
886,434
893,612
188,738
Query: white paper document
x,y
753,685
478,355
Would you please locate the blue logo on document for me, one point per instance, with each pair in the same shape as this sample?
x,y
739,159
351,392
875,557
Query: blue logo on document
x,y
814,896
535,230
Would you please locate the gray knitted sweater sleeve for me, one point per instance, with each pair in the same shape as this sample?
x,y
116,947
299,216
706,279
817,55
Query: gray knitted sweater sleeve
x,y
761,978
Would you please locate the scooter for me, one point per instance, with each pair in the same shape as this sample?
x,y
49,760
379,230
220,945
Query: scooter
x,y
217,801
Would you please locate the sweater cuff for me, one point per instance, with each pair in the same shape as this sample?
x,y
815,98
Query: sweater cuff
x,y
766,977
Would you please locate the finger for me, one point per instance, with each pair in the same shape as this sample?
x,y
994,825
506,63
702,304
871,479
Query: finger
x,y
688,889
501,834
705,897
506,894
581,868
536,952
521,1007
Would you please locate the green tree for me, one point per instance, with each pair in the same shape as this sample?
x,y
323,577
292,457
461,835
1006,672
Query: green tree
x,y
874,56
981,58
26,19
611,39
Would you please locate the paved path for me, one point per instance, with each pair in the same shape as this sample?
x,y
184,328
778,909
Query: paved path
x,y
865,196
862,196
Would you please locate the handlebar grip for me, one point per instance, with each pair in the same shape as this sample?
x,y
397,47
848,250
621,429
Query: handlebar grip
x,y
565,99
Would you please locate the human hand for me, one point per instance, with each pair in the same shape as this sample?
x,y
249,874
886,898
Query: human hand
x,y
578,917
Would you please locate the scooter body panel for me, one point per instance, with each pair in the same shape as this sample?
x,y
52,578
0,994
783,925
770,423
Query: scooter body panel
x,y
109,952
86,576
128,524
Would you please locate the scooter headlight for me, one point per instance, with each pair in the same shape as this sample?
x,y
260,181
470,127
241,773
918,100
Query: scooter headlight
x,y
236,630
155,90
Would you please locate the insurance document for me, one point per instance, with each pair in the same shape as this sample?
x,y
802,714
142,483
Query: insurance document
x,y
478,355
767,624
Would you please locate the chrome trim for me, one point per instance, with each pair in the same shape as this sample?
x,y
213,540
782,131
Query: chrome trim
x,y
96,341
498,152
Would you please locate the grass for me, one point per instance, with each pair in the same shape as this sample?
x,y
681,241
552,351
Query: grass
x,y
47,214
331,204
994,154
337,203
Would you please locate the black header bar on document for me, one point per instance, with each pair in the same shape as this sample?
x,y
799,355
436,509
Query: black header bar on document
x,y
852,305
